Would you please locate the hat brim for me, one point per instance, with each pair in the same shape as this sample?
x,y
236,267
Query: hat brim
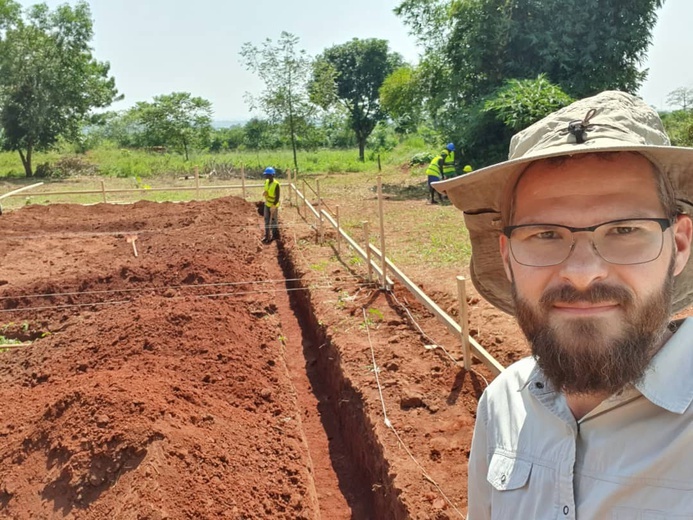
x,y
478,195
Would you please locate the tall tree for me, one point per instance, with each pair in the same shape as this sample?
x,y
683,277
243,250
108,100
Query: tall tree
x,y
175,120
49,80
285,72
682,97
352,74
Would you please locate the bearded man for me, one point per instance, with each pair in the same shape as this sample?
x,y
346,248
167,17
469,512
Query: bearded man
x,y
584,235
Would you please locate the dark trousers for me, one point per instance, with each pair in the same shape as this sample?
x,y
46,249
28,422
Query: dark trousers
x,y
271,224
431,179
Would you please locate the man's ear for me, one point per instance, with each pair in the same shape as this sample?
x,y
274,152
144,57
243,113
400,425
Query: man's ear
x,y
683,233
504,245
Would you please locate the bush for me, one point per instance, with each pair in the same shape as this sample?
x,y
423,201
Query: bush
x,y
67,166
421,158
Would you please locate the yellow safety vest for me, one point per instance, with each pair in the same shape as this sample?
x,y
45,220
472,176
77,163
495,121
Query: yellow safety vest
x,y
434,169
271,190
449,165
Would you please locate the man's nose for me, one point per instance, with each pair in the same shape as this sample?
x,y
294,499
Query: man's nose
x,y
584,265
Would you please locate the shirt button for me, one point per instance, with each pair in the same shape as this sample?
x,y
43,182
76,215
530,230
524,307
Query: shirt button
x,y
566,510
503,478
539,385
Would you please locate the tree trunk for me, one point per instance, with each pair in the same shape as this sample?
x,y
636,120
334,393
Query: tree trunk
x,y
26,161
293,135
185,148
362,147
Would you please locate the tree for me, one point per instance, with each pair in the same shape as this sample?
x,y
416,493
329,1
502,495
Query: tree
x,y
401,100
49,81
679,127
521,103
176,120
352,74
474,46
681,96
285,72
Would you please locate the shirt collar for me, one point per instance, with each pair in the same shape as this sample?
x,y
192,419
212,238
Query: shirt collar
x,y
667,381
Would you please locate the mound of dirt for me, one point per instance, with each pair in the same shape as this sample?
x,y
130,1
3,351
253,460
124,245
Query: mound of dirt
x,y
156,387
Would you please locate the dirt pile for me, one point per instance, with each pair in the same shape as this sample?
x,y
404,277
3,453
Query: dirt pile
x,y
158,387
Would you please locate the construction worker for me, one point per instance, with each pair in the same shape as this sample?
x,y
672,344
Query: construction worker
x,y
272,197
435,173
449,162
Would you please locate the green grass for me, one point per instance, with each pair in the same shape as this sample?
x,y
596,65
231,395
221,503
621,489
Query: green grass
x,y
122,163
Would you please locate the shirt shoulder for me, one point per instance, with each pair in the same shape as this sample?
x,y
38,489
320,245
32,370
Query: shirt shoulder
x,y
515,377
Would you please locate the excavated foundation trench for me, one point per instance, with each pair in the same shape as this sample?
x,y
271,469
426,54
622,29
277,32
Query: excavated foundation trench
x,y
347,457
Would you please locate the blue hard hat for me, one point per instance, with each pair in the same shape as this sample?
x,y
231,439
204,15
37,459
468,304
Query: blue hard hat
x,y
269,171
451,147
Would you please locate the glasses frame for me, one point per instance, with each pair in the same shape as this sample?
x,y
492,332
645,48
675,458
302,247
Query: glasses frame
x,y
664,223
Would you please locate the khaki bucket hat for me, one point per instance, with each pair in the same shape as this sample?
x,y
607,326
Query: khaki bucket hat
x,y
608,122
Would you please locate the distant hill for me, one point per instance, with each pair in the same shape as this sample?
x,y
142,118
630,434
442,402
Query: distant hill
x,y
227,124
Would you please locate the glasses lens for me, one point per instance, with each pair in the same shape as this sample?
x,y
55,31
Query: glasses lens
x,y
629,242
621,242
541,245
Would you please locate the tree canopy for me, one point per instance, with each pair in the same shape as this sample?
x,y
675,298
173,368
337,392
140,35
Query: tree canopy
x,y
285,71
49,80
352,74
178,120
473,47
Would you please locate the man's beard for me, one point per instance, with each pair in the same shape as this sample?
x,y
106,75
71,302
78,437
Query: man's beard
x,y
579,358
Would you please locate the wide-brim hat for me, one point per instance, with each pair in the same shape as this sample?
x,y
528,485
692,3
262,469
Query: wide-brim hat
x,y
608,122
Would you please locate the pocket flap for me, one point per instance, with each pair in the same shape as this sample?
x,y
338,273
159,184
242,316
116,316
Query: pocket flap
x,y
505,473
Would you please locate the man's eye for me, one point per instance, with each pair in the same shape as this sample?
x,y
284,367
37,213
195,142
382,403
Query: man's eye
x,y
547,234
623,230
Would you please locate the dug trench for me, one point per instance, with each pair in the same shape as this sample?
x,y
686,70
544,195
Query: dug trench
x,y
352,476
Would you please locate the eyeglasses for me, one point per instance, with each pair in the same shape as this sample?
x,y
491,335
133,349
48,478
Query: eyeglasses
x,y
623,242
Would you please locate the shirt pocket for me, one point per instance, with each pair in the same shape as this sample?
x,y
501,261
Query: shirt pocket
x,y
507,473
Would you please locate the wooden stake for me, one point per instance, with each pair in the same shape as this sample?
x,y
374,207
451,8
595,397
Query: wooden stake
x,y
367,240
317,184
464,322
305,202
382,232
243,180
197,183
103,191
131,239
339,232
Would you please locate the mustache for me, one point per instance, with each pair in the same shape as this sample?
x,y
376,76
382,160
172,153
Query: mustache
x,y
596,293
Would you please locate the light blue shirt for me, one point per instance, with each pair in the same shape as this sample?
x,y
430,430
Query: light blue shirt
x,y
631,458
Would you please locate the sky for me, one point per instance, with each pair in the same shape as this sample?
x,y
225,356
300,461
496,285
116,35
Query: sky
x,y
162,46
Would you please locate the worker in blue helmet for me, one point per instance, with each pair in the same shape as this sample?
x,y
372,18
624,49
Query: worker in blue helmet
x,y
272,198
449,161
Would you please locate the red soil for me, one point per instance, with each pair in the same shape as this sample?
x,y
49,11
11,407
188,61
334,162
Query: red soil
x,y
188,382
